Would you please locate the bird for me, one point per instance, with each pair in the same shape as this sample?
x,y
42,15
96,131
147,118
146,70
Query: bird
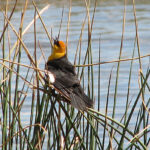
x,y
63,77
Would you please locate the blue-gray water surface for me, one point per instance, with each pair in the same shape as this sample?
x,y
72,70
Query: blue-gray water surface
x,y
107,29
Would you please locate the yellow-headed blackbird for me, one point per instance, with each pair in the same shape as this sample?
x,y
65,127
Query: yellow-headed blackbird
x,y
63,77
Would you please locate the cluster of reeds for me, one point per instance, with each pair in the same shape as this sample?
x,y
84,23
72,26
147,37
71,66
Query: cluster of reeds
x,y
54,124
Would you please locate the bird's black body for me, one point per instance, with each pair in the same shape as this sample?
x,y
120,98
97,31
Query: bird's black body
x,y
67,82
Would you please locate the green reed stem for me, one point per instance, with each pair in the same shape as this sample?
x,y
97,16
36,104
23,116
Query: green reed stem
x,y
4,96
129,81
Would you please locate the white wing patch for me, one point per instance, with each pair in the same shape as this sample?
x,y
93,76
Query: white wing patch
x,y
51,76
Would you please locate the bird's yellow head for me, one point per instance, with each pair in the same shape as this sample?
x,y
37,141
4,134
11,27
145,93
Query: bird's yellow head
x,y
58,50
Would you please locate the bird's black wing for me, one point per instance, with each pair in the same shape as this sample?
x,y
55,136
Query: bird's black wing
x,y
64,72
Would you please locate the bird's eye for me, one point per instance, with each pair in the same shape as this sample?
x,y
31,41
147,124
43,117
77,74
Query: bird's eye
x,y
56,42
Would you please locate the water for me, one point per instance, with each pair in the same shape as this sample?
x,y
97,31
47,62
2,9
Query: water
x,y
107,27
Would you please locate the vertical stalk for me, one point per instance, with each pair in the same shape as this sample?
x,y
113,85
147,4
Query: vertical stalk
x,y
118,67
129,81
5,91
68,24
99,76
140,66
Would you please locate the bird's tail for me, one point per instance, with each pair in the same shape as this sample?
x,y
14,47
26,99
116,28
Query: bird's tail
x,y
81,102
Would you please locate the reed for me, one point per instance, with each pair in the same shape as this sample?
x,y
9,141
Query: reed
x,y
53,123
